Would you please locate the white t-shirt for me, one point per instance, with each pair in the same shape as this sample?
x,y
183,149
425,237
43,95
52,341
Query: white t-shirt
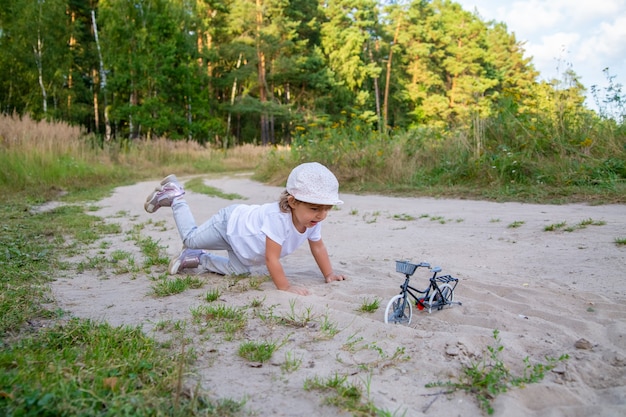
x,y
248,226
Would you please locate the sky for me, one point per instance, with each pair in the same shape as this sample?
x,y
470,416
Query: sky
x,y
586,36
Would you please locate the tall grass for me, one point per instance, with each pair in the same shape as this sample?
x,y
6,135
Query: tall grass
x,y
505,157
41,155
41,159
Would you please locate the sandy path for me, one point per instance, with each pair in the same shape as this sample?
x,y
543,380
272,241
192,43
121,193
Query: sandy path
x,y
543,290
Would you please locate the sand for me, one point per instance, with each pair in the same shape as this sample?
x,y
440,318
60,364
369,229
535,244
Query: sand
x,y
548,293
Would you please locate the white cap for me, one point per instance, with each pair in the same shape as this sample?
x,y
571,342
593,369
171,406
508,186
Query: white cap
x,y
313,183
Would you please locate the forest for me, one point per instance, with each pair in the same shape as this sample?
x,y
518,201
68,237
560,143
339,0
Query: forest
x,y
411,93
230,72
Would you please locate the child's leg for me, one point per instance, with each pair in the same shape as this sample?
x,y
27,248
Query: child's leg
x,y
209,235
222,265
193,258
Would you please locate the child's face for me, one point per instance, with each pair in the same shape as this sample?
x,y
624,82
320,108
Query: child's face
x,y
307,215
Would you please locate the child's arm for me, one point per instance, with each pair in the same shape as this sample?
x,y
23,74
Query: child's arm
x,y
318,249
275,268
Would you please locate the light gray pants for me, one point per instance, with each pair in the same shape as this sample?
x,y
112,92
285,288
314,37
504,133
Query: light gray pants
x,y
210,235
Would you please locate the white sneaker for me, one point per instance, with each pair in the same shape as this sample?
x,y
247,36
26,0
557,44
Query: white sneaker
x,y
188,258
164,195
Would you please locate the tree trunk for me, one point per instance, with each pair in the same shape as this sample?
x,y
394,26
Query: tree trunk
x,y
265,128
70,77
288,124
96,107
38,51
103,79
377,93
233,93
132,102
388,75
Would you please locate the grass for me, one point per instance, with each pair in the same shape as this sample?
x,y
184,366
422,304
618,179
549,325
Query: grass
x,y
369,306
428,162
212,295
581,225
328,328
339,392
291,363
221,318
403,217
31,244
516,224
255,351
488,377
298,319
197,185
53,366
165,286
87,368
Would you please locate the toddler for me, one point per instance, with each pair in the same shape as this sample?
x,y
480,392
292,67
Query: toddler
x,y
256,234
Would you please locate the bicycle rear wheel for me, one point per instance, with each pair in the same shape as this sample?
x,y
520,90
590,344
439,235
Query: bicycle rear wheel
x,y
437,301
399,310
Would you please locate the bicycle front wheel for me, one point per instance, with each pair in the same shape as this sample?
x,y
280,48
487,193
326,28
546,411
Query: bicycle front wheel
x,y
399,310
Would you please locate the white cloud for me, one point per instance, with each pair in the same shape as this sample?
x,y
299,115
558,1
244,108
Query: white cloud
x,y
611,38
552,52
586,35
587,10
530,16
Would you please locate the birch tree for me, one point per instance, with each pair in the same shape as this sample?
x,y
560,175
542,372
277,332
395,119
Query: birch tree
x,y
34,47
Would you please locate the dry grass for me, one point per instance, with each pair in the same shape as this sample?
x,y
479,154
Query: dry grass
x,y
23,134
41,156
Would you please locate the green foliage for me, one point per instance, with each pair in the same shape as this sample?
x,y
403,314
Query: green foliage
x,y
52,160
554,226
328,328
369,306
84,368
297,319
25,261
166,287
345,395
76,367
30,243
257,351
224,73
489,377
581,225
197,185
154,253
430,160
220,317
212,295
516,224
291,363
610,100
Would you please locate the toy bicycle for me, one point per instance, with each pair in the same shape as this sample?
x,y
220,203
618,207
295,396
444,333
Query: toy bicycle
x,y
438,294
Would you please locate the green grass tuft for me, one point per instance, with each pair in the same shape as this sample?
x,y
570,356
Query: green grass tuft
x,y
489,377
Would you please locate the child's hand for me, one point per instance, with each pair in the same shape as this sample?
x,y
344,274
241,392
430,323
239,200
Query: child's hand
x,y
334,277
298,290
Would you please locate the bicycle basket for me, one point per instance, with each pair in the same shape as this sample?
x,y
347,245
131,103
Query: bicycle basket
x,y
405,267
